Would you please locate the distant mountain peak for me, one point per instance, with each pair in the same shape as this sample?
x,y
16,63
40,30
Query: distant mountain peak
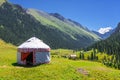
x,y
104,30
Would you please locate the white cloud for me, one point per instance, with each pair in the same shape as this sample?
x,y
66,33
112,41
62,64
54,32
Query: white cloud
x,y
104,30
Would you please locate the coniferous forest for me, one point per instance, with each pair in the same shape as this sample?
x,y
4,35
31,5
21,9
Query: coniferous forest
x,y
110,46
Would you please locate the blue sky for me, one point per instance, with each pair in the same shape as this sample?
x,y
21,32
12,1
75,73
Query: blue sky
x,y
93,14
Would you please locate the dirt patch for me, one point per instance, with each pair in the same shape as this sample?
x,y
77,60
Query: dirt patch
x,y
5,66
18,67
83,71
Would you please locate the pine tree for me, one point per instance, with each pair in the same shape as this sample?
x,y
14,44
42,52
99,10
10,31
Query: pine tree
x,y
92,56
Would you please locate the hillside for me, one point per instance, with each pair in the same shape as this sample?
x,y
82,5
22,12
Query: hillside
x,y
22,24
66,26
6,45
111,44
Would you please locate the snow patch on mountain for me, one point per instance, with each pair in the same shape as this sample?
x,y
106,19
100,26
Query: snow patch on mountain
x,y
104,30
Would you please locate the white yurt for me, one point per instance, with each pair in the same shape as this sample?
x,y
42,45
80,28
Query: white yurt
x,y
33,52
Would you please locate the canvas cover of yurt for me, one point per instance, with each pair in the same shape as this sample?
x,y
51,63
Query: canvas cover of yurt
x,y
33,52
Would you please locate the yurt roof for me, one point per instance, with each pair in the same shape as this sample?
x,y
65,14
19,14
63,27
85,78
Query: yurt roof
x,y
33,43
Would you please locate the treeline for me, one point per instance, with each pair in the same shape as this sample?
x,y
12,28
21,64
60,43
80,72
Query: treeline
x,y
111,46
89,56
95,55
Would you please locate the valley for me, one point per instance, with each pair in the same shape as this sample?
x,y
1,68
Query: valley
x,y
77,53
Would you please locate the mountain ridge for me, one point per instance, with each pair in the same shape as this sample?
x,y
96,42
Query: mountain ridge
x,y
52,20
22,24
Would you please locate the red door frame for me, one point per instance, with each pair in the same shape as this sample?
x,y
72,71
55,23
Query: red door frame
x,y
24,56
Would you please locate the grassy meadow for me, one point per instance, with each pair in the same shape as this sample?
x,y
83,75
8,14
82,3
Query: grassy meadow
x,y
58,69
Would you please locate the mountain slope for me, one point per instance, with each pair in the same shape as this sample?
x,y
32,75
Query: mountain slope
x,y
5,45
64,25
110,45
18,24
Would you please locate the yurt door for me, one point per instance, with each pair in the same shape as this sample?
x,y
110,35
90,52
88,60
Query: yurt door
x,y
29,59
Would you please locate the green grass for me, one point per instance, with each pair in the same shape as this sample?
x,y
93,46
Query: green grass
x,y
58,69
7,53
